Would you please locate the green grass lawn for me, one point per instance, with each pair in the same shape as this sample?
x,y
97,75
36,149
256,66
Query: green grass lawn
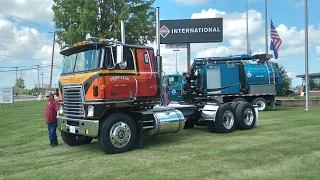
x,y
285,146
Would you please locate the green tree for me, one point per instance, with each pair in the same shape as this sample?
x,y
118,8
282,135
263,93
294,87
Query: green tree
x,y
75,18
19,86
285,88
312,85
19,83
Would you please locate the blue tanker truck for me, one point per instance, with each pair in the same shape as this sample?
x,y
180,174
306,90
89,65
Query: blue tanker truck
x,y
250,78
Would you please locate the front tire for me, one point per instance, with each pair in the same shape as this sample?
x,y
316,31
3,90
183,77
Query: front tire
x,y
118,134
75,140
225,120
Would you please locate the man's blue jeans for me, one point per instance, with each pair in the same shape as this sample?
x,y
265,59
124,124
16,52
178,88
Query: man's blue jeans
x,y
52,133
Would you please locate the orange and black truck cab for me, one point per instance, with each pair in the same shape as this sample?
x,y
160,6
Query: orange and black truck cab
x,y
92,84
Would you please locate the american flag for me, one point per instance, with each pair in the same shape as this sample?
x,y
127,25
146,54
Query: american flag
x,y
275,40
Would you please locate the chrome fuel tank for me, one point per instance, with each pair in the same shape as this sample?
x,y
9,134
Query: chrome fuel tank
x,y
167,121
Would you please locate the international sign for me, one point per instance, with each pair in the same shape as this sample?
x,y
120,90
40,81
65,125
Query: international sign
x,y
6,95
191,31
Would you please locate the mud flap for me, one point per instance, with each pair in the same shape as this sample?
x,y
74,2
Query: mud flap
x,y
140,140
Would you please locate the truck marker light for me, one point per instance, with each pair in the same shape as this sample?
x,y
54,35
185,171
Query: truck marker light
x,y
60,126
87,131
102,87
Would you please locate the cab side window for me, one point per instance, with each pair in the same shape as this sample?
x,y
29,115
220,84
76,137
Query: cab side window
x,y
146,58
111,58
150,58
128,57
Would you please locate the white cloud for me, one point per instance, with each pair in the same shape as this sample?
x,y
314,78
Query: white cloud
x,y
211,52
22,41
299,4
191,2
32,10
234,24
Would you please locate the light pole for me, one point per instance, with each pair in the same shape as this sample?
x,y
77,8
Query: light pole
x,y
266,25
306,52
247,26
42,80
176,50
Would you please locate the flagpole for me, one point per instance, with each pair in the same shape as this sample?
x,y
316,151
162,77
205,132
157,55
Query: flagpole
x,y
247,21
266,25
306,53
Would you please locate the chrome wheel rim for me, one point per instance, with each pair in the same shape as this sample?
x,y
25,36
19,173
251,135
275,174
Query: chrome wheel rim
x,y
228,119
120,134
261,105
248,116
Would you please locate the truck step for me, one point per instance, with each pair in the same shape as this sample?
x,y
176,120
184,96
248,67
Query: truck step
x,y
148,121
148,127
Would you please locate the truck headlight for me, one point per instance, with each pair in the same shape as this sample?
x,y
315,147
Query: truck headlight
x,y
61,109
90,111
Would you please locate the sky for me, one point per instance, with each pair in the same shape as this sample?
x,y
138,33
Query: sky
x,y
25,40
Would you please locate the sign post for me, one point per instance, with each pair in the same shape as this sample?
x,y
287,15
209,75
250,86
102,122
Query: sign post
x,y
180,33
6,95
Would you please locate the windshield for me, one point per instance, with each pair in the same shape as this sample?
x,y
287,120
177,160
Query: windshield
x,y
173,80
82,61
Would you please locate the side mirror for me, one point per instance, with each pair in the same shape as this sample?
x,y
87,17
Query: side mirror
x,y
119,54
120,61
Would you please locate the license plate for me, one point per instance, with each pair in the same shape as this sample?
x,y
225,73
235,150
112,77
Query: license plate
x,y
72,129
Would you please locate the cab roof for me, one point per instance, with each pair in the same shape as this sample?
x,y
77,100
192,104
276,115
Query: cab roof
x,y
87,45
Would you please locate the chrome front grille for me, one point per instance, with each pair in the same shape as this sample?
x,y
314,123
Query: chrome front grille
x,y
73,102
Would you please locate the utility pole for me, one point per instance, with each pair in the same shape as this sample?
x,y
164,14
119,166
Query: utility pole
x,y
38,80
42,80
54,37
176,50
266,24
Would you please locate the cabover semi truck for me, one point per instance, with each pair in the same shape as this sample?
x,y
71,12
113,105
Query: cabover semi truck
x,y
246,78
111,91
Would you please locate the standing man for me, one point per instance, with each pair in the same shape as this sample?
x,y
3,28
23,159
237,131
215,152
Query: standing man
x,y
52,112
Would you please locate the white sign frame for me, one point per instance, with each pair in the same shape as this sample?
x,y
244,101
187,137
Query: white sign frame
x,y
6,95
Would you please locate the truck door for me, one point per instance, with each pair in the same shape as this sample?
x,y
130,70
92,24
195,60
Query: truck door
x,y
175,88
147,82
120,82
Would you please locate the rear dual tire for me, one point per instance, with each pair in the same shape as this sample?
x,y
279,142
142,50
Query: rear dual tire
x,y
245,115
225,120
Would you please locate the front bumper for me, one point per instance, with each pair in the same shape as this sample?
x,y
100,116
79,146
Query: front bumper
x,y
79,126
